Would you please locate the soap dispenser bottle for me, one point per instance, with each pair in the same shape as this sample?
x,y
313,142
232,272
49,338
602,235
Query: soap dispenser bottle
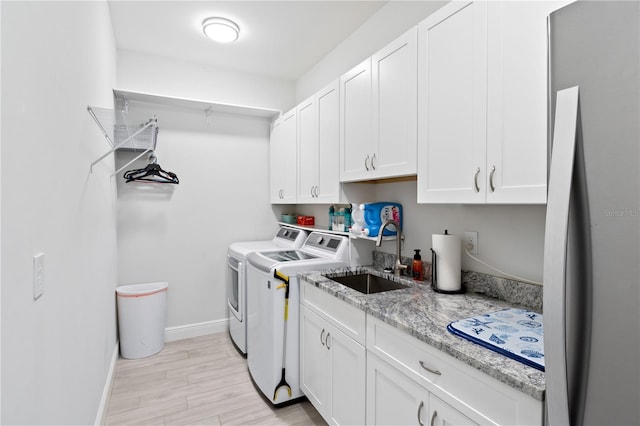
x,y
416,268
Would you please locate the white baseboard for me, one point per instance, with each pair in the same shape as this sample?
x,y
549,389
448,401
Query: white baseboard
x,y
194,330
106,391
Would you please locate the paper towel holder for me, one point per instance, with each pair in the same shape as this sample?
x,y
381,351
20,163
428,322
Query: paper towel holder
x,y
434,275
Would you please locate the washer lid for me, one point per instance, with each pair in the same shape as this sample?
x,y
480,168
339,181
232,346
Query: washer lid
x,y
288,255
241,250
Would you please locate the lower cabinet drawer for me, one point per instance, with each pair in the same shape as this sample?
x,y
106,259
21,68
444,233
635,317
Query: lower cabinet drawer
x,y
475,394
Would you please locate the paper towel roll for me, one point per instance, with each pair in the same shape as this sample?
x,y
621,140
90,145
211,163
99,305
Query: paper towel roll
x,y
447,248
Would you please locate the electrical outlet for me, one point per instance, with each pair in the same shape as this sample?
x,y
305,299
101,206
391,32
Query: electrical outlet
x,y
38,275
471,242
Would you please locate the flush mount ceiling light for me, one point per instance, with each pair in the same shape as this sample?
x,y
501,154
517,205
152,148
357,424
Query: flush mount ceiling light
x,y
220,29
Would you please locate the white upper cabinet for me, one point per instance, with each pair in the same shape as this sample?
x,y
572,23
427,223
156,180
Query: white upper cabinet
x,y
517,101
318,147
482,103
452,88
378,137
355,125
394,76
283,159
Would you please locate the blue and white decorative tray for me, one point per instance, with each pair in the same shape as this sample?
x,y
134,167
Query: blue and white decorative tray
x,y
516,333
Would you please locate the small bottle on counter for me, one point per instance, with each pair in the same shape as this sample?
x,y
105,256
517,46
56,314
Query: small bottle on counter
x,y
331,211
347,218
416,267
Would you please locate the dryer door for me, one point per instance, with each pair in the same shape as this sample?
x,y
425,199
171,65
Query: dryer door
x,y
235,289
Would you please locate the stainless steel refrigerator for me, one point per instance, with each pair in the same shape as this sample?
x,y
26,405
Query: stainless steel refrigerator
x,y
592,241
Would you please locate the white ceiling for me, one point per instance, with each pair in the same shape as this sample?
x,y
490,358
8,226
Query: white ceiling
x,y
278,39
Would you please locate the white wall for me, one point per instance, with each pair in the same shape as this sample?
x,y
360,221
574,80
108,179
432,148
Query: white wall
x,y
510,238
392,20
56,351
144,73
180,233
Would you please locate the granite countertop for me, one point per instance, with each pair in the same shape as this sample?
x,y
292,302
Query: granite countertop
x,y
425,314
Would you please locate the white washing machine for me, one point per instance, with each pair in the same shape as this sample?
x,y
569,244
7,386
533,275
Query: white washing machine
x,y
273,295
286,238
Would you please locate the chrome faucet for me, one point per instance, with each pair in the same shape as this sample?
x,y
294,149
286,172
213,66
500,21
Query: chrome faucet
x,y
398,266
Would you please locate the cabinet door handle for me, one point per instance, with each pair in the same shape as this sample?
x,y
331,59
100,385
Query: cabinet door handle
x,y
373,165
420,412
315,190
493,170
366,166
436,372
327,340
311,191
475,179
322,337
433,418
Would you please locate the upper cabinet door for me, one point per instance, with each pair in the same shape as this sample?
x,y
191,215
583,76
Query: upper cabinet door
x,y
517,101
452,89
276,173
283,159
328,182
355,126
394,107
319,147
308,150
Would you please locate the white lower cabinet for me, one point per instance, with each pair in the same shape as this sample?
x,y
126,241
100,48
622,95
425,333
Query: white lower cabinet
x,y
394,399
441,414
332,364
450,391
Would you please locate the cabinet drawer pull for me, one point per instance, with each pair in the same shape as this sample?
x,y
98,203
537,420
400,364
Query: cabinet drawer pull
x,y
433,418
436,372
327,340
373,165
366,165
420,412
493,170
322,337
475,180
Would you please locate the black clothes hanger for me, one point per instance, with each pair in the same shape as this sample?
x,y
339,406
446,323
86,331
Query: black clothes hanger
x,y
152,173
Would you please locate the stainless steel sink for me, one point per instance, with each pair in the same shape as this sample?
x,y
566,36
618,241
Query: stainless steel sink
x,y
368,283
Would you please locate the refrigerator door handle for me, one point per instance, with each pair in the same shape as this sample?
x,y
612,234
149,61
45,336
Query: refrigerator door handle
x,y
555,255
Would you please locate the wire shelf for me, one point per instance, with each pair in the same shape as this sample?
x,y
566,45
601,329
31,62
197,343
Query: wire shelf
x,y
122,136
143,140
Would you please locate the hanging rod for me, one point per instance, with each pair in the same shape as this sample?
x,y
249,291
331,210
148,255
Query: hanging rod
x,y
152,122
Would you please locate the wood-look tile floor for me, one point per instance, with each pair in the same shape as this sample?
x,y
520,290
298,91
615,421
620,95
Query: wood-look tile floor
x,y
197,381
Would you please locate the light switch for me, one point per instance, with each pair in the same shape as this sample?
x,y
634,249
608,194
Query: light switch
x,y
38,275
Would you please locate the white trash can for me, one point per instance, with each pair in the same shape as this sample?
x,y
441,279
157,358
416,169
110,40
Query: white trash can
x,y
141,318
